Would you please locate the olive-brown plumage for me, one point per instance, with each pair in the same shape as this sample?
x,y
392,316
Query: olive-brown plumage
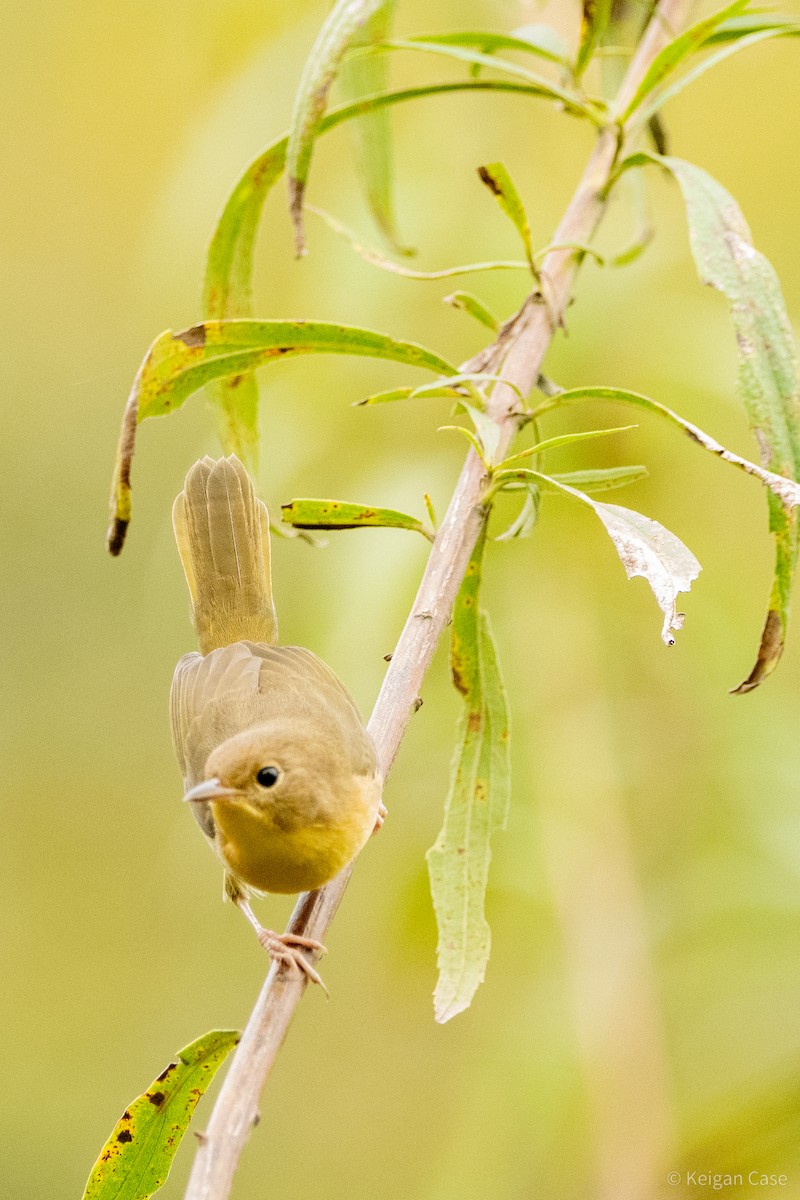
x,y
281,773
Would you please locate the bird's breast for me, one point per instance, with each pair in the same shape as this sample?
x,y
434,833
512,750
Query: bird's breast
x,y
269,855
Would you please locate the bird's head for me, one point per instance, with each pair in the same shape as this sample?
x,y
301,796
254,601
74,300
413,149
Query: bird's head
x,y
283,766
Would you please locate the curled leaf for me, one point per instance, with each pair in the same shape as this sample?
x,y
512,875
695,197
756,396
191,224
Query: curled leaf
x,y
178,364
497,179
645,548
768,373
466,302
340,30
367,74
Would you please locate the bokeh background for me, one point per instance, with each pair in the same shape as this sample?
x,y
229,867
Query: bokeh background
x,y
640,1010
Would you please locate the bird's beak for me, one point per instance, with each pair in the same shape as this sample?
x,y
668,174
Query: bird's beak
x,y
209,789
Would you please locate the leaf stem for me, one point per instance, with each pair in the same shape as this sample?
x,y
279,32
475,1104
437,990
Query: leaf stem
x,y
521,347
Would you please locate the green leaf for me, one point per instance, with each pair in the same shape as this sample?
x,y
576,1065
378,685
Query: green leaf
x,y
530,39
645,548
365,75
674,53
601,479
523,524
501,185
387,264
340,30
573,103
563,439
466,302
768,378
750,22
476,806
178,364
733,47
595,16
339,514
136,1159
387,397
785,489
228,285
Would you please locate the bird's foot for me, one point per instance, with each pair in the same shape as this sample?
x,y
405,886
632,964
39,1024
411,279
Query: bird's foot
x,y
383,813
286,949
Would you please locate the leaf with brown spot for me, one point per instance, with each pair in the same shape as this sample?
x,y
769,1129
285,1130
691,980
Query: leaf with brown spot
x,y
769,384
367,74
136,1159
476,806
497,179
595,16
340,30
341,514
175,368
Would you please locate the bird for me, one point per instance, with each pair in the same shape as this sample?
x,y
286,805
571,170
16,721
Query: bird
x,y
278,767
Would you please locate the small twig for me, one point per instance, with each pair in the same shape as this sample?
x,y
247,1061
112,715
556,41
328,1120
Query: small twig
x,y
522,351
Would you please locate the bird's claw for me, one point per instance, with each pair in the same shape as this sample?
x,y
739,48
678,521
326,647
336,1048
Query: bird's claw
x,y
383,813
286,949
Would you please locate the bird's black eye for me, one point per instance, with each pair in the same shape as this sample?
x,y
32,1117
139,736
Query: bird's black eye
x,y
268,776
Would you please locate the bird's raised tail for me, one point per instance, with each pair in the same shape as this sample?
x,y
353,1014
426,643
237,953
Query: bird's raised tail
x,y
222,531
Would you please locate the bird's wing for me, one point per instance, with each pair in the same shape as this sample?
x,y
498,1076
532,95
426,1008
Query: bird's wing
x,y
246,684
294,681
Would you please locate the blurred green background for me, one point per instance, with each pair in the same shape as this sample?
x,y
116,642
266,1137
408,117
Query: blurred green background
x,y
640,1010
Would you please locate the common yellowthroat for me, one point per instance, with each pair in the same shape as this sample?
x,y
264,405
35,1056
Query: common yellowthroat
x,y
278,767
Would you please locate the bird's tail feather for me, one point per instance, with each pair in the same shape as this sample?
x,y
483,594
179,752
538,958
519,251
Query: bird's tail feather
x,y
222,531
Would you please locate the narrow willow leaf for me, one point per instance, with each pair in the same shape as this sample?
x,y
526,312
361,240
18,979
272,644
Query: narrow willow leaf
x,y
540,40
178,364
747,23
340,30
595,16
387,264
543,40
365,75
501,185
645,548
601,479
573,103
563,439
787,490
583,248
650,111
768,377
522,525
674,53
480,378
136,1159
476,806
387,397
339,514
466,302
228,285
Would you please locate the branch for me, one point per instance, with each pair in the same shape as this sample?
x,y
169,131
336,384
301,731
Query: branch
x,y
521,348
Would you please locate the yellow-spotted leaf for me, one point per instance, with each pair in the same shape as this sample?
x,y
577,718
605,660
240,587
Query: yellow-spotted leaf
x,y
476,806
340,514
136,1159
